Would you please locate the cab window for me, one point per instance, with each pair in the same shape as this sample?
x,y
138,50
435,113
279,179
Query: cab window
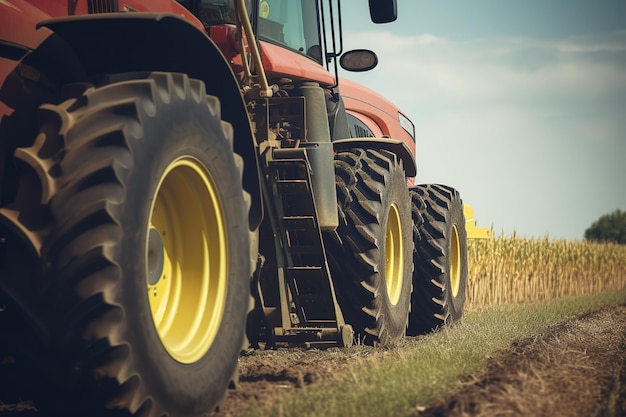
x,y
291,23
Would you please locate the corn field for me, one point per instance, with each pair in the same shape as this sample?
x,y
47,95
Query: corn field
x,y
518,270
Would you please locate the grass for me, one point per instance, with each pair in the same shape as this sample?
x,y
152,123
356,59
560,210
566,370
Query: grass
x,y
398,381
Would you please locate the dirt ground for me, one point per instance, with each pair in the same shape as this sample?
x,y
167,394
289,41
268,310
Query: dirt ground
x,y
577,368
574,369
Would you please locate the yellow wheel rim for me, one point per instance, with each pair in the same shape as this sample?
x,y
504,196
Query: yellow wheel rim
x,y
394,255
455,262
186,260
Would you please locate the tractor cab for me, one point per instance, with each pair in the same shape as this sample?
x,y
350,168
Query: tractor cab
x,y
297,38
302,41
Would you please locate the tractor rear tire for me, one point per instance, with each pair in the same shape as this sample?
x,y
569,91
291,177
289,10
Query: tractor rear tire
x,y
371,251
150,227
440,258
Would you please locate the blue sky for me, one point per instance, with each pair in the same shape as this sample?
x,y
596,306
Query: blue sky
x,y
521,105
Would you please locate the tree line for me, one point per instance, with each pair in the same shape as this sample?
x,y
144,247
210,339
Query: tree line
x,y
608,228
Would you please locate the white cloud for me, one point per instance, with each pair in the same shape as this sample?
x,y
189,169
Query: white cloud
x,y
531,131
426,69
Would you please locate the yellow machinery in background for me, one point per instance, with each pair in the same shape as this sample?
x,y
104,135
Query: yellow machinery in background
x,y
474,232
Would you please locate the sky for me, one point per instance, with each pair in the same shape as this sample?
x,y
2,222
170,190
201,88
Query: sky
x,y
520,105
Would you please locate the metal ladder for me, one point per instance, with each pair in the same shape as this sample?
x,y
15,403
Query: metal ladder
x,y
309,309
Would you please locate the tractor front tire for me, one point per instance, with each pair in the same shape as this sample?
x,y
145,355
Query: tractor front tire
x,y
440,258
371,251
150,226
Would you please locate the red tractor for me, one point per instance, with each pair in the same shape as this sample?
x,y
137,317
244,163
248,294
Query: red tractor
x,y
177,178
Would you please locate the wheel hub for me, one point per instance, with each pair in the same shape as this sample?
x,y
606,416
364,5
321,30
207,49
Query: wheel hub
x,y
155,256
455,262
186,260
394,258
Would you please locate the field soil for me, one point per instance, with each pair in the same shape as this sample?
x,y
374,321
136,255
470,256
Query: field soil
x,y
577,368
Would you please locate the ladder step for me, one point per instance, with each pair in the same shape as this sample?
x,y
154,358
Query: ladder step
x,y
304,249
289,165
309,279
319,324
300,223
306,270
289,169
302,235
312,288
289,154
300,242
293,187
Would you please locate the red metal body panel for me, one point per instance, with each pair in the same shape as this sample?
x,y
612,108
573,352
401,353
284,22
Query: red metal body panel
x,y
225,38
18,19
60,8
161,6
57,8
279,61
378,113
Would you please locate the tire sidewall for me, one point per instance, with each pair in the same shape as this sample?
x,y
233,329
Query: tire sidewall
x,y
396,192
456,219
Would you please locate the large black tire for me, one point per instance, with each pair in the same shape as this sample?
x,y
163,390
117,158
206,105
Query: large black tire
x,y
440,258
370,253
149,290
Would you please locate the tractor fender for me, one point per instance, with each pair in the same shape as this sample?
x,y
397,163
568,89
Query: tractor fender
x,y
398,147
113,43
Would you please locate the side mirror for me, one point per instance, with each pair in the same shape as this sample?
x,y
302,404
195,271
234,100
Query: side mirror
x,y
383,11
358,60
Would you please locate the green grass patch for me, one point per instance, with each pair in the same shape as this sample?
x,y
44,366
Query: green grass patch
x,y
420,371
